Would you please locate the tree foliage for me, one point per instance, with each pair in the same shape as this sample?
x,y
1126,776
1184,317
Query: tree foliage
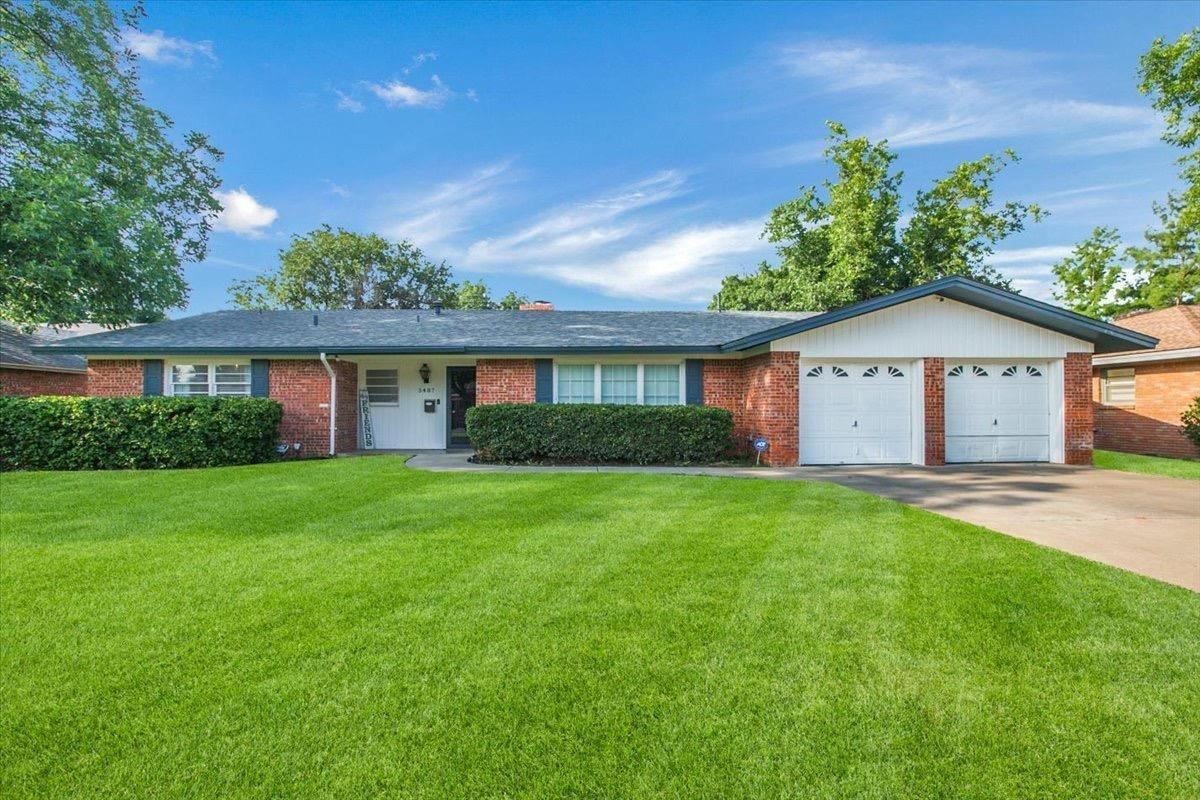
x,y
1167,266
1087,280
475,295
336,268
842,242
100,206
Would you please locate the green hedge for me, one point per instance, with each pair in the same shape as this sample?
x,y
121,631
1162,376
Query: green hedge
x,y
599,434
1191,421
74,433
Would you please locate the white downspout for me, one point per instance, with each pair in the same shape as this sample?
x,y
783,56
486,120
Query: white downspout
x,y
332,405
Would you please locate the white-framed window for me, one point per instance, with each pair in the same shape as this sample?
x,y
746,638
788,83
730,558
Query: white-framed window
x,y
215,378
619,384
625,384
661,385
577,383
1117,387
383,387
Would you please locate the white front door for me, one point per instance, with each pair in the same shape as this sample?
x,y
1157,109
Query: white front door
x,y
997,412
855,413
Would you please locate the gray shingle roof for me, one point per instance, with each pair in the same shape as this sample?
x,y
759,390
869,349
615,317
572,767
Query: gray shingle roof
x,y
399,331
16,352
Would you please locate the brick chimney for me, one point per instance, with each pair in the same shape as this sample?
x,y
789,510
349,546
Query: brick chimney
x,y
538,305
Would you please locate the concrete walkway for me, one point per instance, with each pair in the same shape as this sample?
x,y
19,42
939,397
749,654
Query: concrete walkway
x,y
1142,523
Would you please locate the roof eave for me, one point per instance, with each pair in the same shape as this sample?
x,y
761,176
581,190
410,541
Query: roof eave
x,y
357,350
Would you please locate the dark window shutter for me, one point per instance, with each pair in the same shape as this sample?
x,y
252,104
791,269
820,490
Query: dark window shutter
x,y
258,377
152,377
543,380
693,370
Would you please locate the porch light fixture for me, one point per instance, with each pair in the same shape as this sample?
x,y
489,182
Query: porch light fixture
x,y
424,373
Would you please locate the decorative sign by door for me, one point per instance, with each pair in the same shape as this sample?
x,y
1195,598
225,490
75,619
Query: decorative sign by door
x,y
366,434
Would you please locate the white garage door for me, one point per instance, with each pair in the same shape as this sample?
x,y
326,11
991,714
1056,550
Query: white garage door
x,y
855,413
997,412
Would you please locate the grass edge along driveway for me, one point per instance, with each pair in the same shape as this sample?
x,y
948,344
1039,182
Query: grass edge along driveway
x,y
1147,465
351,627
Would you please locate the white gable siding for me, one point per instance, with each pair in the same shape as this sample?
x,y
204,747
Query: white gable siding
x,y
932,326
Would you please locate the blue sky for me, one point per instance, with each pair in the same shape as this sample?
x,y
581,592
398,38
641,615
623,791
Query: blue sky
x,y
626,156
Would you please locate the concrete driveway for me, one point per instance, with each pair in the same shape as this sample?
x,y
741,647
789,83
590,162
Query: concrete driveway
x,y
1142,523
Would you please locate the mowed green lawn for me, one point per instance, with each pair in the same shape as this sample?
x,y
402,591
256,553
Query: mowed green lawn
x,y
1147,465
352,628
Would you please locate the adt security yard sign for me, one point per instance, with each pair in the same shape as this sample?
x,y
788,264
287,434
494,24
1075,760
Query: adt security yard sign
x,y
760,447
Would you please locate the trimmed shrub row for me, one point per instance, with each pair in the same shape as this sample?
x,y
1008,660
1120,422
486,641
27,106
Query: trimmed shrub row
x,y
599,434
77,433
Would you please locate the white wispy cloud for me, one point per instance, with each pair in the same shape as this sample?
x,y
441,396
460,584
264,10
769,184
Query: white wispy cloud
x,y
418,60
633,240
674,265
449,208
337,189
398,94
922,95
158,47
242,214
1026,255
579,227
346,102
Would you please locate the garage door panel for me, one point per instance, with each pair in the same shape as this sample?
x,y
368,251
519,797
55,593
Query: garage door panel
x,y
997,412
855,413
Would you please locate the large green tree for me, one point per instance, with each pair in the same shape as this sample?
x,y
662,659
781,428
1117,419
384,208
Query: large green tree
x,y
1167,266
842,242
337,268
956,225
100,204
1087,280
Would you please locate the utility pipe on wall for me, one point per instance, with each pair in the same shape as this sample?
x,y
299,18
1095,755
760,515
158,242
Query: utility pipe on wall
x,y
332,404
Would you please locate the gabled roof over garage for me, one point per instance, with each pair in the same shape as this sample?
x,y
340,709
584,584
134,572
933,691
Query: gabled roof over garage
x,y
1104,336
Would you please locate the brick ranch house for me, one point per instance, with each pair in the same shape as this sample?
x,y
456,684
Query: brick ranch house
x,y
26,372
1140,395
951,371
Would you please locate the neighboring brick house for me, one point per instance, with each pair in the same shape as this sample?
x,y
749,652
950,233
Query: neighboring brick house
x,y
26,372
952,371
1140,395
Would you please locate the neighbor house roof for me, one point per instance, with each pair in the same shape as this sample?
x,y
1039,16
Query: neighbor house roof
x,y
537,332
1177,329
17,352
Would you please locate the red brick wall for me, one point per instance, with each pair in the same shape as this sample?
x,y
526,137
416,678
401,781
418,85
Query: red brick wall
x,y
121,378
763,394
31,382
1151,425
302,388
1077,408
504,380
935,412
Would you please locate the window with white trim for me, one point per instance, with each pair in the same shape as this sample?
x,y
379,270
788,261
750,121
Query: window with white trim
x,y
383,387
210,378
1117,387
618,384
577,383
661,384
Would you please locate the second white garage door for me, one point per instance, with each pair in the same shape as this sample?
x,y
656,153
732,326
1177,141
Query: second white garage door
x,y
997,412
855,413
